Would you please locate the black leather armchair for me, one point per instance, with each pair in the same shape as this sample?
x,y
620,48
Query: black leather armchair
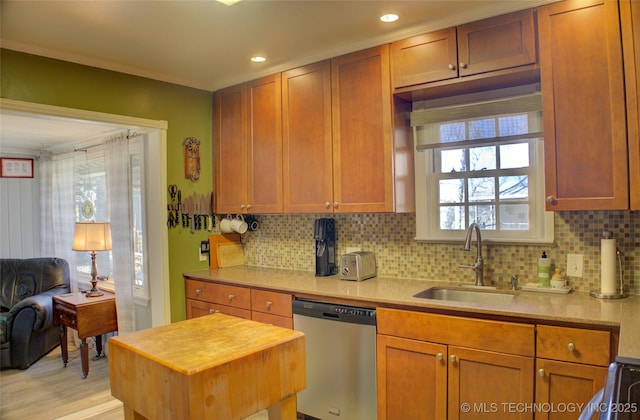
x,y
27,330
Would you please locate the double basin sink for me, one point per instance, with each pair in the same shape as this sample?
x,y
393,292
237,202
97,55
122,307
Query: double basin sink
x,y
469,294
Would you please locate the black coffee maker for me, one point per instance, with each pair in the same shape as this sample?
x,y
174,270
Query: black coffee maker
x,y
325,236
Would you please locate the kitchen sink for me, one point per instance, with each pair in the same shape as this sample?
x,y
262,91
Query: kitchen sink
x,y
490,296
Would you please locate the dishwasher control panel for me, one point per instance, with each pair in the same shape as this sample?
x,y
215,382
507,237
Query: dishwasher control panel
x,y
330,311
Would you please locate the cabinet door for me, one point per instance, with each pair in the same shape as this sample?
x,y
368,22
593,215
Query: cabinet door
x,y
497,43
562,384
307,154
362,131
583,106
264,112
424,58
630,16
229,128
488,385
277,320
197,308
411,379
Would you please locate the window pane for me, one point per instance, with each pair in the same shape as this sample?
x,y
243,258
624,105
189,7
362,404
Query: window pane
x,y
484,216
514,155
452,218
513,124
452,132
482,158
514,217
514,187
482,129
482,189
451,190
452,161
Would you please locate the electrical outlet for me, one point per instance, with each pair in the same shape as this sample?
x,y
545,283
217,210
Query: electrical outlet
x,y
574,265
203,257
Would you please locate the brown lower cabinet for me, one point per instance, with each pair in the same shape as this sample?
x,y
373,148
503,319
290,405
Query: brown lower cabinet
x,y
436,366
205,297
450,367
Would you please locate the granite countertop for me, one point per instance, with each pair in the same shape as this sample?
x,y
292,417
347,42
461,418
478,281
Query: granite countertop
x,y
573,308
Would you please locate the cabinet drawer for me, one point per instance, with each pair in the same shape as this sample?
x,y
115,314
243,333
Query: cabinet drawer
x,y
271,303
197,308
238,297
277,320
503,337
574,345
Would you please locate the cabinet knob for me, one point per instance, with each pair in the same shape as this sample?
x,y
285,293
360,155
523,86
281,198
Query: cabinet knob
x,y
198,291
463,65
242,206
248,206
335,205
212,311
550,199
231,297
541,372
269,303
571,347
439,356
452,66
327,205
452,358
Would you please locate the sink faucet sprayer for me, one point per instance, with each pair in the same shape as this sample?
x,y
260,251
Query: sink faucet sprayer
x,y
478,267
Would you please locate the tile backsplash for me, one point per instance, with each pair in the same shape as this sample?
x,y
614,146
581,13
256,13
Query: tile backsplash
x,y
286,241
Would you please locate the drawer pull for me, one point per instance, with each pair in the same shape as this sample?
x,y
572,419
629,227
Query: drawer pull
x,y
212,311
571,347
231,297
269,303
439,356
541,372
198,291
452,358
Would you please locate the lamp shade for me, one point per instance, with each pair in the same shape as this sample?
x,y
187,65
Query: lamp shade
x,y
92,236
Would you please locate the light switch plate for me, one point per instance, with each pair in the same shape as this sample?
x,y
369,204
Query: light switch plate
x,y
574,265
203,257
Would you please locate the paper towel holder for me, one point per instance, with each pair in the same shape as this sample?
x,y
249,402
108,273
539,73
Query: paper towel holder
x,y
620,293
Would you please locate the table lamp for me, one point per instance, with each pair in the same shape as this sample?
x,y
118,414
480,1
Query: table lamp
x,y
92,237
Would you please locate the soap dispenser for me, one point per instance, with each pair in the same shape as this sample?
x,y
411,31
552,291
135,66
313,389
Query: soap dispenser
x,y
544,268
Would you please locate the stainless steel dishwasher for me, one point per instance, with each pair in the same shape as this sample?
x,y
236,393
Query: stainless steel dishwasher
x,y
341,360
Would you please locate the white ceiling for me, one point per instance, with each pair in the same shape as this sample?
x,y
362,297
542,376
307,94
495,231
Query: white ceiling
x,y
206,45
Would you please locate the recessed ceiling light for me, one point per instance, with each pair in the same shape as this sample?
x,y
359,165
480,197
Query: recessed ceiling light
x,y
389,17
228,2
258,59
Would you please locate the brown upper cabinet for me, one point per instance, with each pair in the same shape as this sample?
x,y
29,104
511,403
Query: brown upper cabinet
x,y
307,157
630,17
501,47
584,107
248,146
347,145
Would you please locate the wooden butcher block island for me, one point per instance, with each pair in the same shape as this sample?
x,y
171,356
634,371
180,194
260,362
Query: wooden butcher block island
x,y
213,367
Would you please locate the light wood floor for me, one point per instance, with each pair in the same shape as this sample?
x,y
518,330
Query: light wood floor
x,y
48,390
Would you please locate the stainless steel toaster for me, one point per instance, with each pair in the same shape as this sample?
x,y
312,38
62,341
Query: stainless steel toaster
x,y
357,266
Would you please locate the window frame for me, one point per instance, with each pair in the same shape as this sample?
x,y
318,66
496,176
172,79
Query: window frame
x,y
428,204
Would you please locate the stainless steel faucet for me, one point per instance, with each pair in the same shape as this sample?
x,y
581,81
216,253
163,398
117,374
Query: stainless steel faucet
x,y
478,267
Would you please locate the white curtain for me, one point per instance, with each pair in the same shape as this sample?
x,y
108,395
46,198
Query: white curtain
x,y
119,192
57,209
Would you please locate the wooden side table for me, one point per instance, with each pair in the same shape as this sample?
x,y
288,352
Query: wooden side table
x,y
90,316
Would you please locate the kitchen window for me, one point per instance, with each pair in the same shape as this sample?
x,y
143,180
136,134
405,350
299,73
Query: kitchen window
x,y
480,159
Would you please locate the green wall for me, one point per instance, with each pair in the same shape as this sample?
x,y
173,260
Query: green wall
x,y
37,79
